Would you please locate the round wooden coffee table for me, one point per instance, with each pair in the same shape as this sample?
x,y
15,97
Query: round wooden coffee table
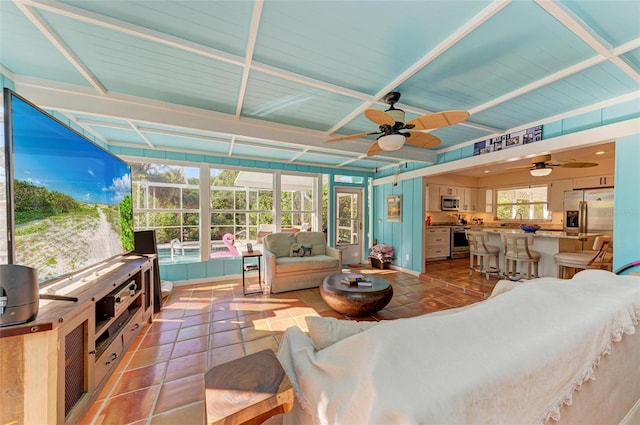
x,y
354,300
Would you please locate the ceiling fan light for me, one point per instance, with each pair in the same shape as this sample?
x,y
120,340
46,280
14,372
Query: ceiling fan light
x,y
391,142
539,172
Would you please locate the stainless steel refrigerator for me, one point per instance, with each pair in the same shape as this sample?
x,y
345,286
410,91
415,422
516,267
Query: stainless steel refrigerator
x,y
589,211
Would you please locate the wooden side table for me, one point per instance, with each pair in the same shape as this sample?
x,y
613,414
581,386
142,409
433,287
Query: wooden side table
x,y
251,266
248,390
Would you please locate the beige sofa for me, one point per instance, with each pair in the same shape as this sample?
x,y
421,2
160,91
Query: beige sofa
x,y
287,269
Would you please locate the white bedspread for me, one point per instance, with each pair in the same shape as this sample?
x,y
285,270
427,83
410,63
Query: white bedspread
x,y
513,359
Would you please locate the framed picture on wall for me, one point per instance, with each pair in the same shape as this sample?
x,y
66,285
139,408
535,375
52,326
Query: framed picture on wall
x,y
394,208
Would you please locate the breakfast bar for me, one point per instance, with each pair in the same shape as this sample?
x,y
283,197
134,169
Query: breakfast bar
x,y
547,243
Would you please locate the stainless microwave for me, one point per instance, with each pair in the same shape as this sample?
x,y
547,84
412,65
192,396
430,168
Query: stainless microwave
x,y
449,203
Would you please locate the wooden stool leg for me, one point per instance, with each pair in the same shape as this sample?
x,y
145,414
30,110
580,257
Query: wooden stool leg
x,y
471,261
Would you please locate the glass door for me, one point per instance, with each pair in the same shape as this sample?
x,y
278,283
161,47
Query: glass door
x,y
348,224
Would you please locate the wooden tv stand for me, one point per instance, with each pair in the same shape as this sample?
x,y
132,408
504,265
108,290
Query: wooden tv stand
x,y
52,369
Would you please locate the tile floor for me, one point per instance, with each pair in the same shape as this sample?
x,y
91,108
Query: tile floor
x,y
160,379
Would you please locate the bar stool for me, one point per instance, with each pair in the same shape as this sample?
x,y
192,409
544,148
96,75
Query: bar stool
x,y
597,258
516,250
481,252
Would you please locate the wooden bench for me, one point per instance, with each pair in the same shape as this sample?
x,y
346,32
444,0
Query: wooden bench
x,y
248,390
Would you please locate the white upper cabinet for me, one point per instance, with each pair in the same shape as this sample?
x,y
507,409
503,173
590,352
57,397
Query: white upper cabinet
x,y
593,181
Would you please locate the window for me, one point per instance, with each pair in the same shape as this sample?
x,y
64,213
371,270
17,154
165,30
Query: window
x,y
348,179
297,201
167,198
526,203
241,203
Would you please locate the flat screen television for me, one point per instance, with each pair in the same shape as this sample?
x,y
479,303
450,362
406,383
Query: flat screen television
x,y
68,200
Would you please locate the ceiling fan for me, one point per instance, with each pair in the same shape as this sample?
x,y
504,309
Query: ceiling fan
x,y
391,122
542,165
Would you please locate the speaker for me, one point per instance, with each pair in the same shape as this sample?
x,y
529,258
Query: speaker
x,y
19,297
145,243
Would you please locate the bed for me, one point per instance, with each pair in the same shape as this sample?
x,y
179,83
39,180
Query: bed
x,y
544,351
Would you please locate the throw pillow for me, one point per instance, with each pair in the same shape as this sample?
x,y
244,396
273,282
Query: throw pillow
x,y
295,250
324,331
307,250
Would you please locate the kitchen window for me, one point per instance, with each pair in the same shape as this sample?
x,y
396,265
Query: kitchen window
x,y
526,203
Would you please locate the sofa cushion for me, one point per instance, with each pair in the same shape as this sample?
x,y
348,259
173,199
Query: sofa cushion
x,y
314,239
325,331
279,243
305,264
296,250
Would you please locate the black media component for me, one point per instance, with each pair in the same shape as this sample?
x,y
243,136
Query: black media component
x,y
19,300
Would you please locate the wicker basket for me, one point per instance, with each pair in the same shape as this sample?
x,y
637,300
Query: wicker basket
x,y
378,264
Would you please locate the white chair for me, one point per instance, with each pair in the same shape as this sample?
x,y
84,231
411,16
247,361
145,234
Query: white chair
x,y
597,258
516,251
480,253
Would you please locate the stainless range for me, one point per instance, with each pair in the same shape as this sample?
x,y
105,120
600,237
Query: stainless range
x,y
459,242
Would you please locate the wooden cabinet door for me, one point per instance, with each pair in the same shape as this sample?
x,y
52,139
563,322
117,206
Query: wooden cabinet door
x,y
555,196
433,198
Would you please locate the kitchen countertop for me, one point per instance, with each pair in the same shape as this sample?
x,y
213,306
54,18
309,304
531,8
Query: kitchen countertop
x,y
540,233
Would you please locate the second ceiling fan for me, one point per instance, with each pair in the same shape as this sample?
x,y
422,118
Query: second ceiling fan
x,y
391,123
542,165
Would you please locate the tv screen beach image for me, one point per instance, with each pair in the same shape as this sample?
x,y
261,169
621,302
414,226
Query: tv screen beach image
x,y
71,199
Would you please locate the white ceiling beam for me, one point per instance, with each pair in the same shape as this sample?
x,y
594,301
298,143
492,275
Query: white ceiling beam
x,y
299,154
86,128
206,153
195,48
462,32
60,45
231,146
139,133
578,139
573,113
345,163
134,30
569,19
124,107
248,57
539,84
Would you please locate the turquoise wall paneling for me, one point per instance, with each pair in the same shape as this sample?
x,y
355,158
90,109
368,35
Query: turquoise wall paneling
x,y
582,122
405,236
417,225
626,230
552,130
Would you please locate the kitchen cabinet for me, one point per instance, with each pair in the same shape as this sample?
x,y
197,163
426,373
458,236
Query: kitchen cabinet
x,y
437,243
484,200
433,198
446,190
593,181
467,197
555,194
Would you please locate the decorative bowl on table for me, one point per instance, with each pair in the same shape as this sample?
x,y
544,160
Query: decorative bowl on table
x,y
529,228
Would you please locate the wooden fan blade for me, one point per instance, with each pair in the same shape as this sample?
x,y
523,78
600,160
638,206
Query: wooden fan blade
x,y
438,120
519,167
422,140
353,136
379,117
541,158
375,149
578,164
